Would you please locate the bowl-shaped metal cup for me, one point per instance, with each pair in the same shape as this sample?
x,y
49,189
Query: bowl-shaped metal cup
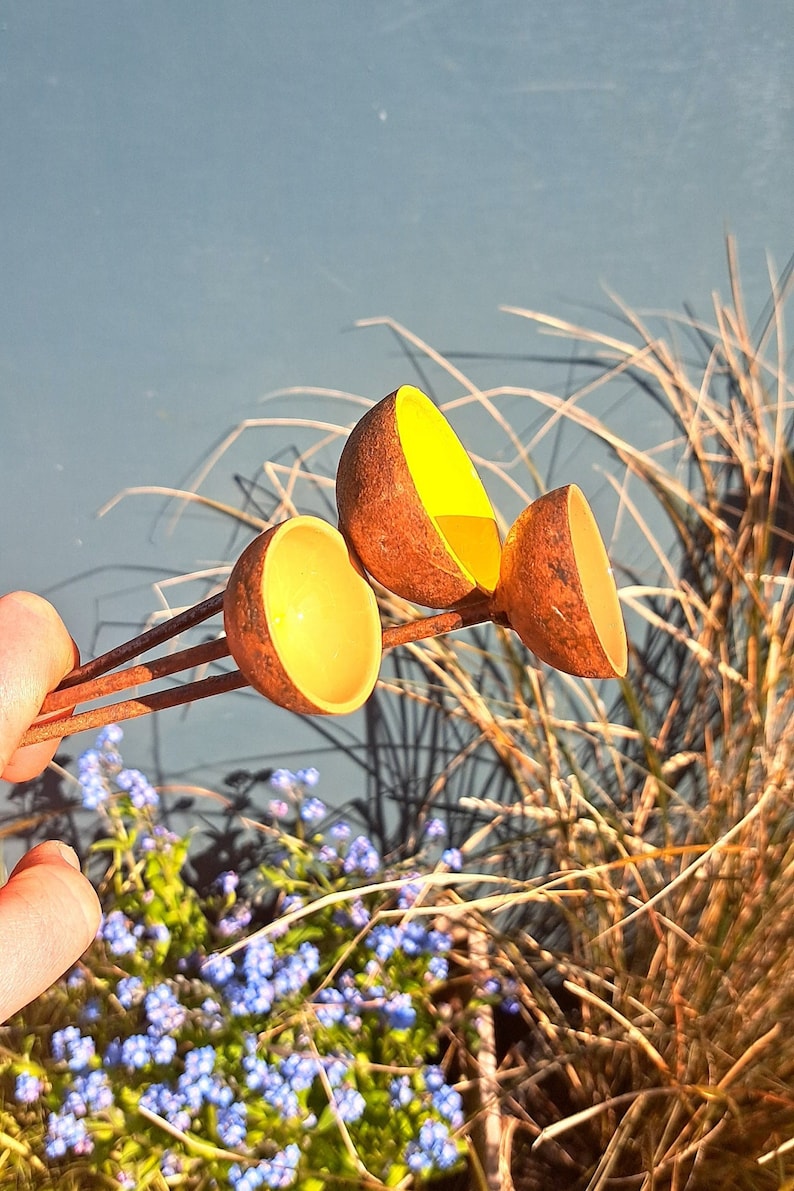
x,y
412,505
302,621
557,590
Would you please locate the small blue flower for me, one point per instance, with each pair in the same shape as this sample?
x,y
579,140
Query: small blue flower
x,y
335,1070
299,1071
159,840
278,1171
28,1088
408,895
448,1103
435,829
416,1159
163,1049
433,1149
170,1165
282,1168
231,1124
313,809
112,1055
218,969
434,1139
437,968
414,938
117,931
349,1103
401,1092
434,1078
268,1080
245,1178
362,857
200,1061
384,940
136,1051
137,785
259,958
66,1132
399,1011
283,779
330,1007
92,779
111,734
292,901
227,882
438,942
69,1044
359,914
164,1010
453,859
165,1102
91,1011
308,777
295,970
89,1093
237,920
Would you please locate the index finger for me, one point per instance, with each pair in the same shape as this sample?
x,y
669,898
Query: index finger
x,y
36,652
50,915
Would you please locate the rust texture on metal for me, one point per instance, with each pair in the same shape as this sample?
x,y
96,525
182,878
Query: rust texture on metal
x,y
247,632
384,520
66,697
540,591
129,709
121,680
145,641
438,625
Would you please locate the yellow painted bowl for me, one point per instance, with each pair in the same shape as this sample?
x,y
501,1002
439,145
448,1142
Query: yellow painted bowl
x,y
302,621
557,590
412,505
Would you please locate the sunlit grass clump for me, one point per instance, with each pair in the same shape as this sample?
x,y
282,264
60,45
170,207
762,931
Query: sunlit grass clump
x,y
617,1010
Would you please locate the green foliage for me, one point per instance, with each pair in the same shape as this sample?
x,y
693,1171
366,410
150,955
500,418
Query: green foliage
x,y
187,1047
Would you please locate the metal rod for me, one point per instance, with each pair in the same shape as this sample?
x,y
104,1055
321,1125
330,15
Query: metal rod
x,y
436,625
113,713
145,641
90,682
66,696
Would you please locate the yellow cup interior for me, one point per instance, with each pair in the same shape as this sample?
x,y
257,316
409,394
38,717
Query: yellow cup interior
x,y
597,580
322,615
449,488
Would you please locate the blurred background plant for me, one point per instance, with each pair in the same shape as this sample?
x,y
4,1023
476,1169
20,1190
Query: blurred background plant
x,y
626,896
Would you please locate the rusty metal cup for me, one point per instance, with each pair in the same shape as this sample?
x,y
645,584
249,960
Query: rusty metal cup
x,y
556,588
302,622
413,507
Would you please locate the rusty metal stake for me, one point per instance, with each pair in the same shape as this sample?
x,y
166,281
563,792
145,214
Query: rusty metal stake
x,y
92,681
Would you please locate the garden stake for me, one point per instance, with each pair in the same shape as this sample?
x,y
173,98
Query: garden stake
x,y
91,681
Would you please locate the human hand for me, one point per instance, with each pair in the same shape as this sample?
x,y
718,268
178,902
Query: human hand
x,y
49,912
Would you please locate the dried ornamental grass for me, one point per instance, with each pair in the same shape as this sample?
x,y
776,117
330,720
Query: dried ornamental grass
x,y
646,935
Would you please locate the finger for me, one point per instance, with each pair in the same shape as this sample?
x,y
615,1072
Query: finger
x,y
49,915
36,652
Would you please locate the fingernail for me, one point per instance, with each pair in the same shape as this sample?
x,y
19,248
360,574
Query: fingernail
x,y
68,854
